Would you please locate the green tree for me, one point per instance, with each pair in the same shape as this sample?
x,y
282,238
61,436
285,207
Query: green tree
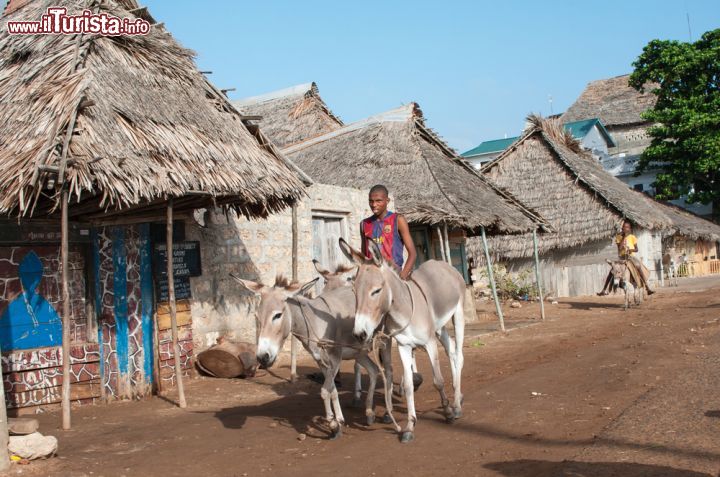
x,y
686,135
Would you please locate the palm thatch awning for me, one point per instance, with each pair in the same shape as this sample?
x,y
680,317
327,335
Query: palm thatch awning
x,y
291,115
548,171
149,126
430,184
687,224
612,100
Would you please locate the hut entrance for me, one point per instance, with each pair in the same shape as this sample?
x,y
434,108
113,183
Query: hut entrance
x,y
328,227
428,247
30,315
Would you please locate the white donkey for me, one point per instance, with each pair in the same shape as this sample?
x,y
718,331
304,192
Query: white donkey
x,y
323,326
413,312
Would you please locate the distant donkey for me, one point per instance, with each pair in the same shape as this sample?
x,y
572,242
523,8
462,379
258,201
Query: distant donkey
x,y
625,275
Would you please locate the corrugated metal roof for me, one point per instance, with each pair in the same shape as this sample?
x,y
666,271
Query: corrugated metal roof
x,y
485,147
580,129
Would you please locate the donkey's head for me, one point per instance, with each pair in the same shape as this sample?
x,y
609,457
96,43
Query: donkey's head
x,y
342,276
372,291
273,316
618,270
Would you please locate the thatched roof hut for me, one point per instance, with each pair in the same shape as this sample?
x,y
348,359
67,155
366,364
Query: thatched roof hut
x,y
291,115
613,101
548,171
149,126
688,224
429,183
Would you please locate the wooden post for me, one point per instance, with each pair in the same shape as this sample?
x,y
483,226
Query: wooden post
x,y
537,275
442,243
157,378
4,439
65,310
447,245
293,340
491,279
173,307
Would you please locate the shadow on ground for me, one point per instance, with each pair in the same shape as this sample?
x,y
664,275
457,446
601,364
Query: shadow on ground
x,y
593,305
290,409
541,468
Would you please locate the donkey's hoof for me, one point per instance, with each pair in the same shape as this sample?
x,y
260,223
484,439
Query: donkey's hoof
x,y
370,419
407,436
386,419
356,403
336,434
457,413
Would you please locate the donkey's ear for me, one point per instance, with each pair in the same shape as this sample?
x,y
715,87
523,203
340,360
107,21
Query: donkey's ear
x,y
307,287
377,257
320,269
351,254
252,287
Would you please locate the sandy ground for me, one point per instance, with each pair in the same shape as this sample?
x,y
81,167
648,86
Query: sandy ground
x,y
592,391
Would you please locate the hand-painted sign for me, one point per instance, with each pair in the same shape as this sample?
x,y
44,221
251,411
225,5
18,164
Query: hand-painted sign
x,y
186,259
182,289
186,264
37,232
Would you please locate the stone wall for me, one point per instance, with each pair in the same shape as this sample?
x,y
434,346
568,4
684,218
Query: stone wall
x,y
258,250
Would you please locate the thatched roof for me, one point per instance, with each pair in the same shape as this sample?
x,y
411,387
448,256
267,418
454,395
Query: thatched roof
x,y
547,170
611,100
430,184
687,224
291,115
149,125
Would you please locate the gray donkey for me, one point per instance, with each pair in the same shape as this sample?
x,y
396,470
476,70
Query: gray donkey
x,y
413,312
323,326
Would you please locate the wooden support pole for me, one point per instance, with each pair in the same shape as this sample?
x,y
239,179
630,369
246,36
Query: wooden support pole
x,y
4,439
173,307
442,243
491,279
537,275
293,340
448,258
65,310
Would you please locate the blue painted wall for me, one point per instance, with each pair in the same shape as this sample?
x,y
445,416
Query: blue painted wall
x,y
147,299
30,321
120,303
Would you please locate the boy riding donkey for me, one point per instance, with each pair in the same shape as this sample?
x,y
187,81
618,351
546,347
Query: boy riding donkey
x,y
627,245
391,232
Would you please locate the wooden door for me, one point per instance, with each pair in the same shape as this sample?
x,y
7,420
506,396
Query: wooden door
x,y
326,232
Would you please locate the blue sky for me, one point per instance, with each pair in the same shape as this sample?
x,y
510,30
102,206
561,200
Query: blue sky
x,y
477,68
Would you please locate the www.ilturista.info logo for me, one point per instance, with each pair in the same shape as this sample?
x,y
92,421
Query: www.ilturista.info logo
x,y
57,21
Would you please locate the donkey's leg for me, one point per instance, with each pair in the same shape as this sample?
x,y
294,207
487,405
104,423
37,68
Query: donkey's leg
x,y
627,292
459,324
438,381
357,392
339,418
325,395
329,393
372,371
449,346
386,358
406,359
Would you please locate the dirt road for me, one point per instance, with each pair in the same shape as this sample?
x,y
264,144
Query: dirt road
x,y
593,391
